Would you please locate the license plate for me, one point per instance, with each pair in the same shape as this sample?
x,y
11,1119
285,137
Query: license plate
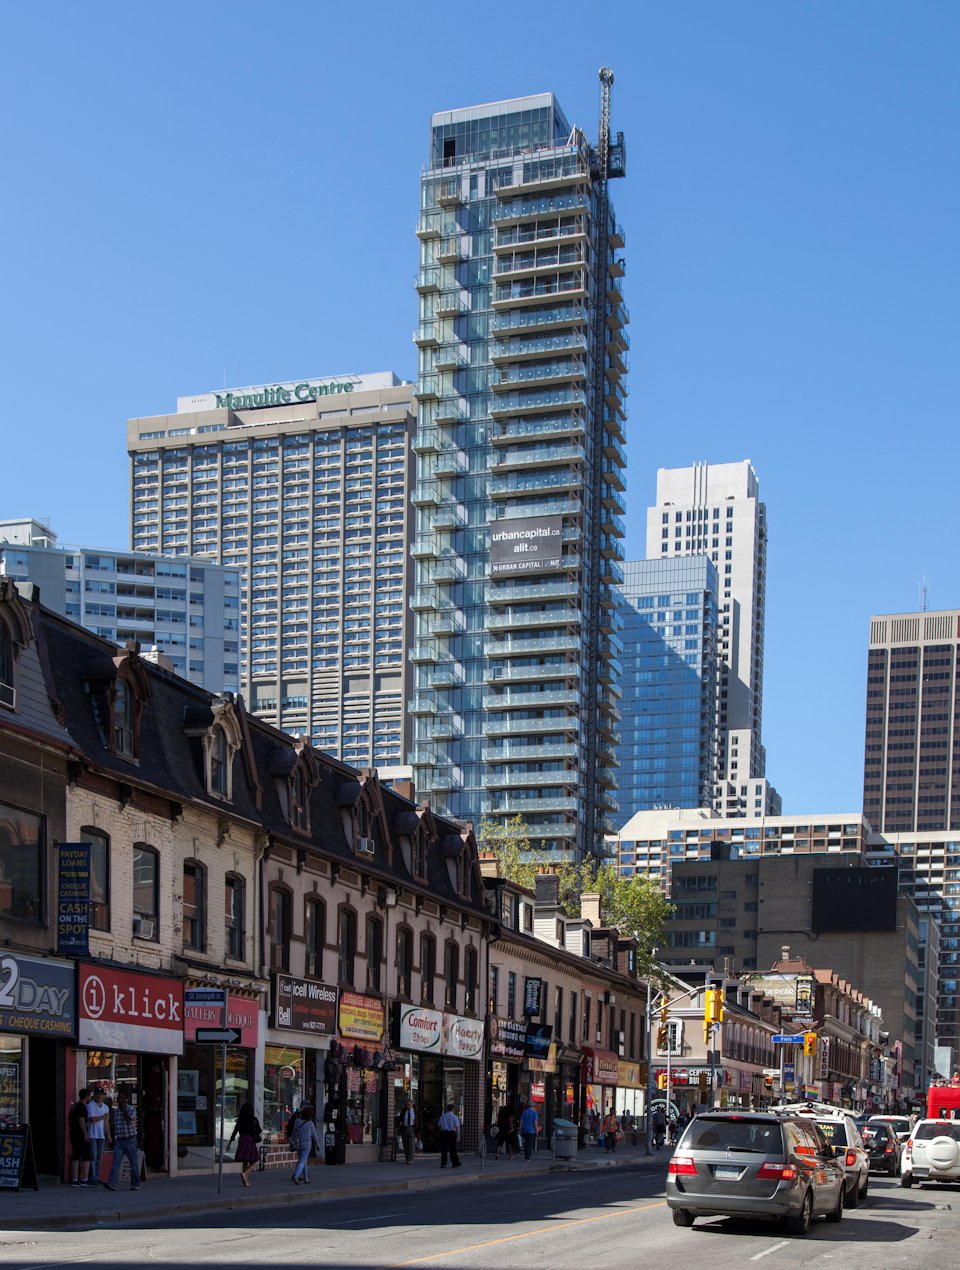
x,y
726,1171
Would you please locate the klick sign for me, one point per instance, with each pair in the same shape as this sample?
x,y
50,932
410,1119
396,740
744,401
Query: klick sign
x,y
122,1010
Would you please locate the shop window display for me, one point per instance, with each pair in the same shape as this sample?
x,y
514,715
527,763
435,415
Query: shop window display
x,y
282,1086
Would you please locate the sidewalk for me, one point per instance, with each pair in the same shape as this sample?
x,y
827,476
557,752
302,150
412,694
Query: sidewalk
x,y
58,1206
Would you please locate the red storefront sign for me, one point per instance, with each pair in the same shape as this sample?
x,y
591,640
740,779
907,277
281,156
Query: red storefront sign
x,y
242,1013
599,1067
124,1010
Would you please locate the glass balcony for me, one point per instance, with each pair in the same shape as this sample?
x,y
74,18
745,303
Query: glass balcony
x,y
546,830
613,449
450,622
428,280
517,403
561,505
426,441
526,374
424,547
507,621
549,643
611,523
613,474
426,494
607,754
616,266
617,315
444,728
450,410
449,568
451,516
536,456
566,286
533,482
535,260
423,755
428,226
425,599
617,238
449,194
607,776
536,427
531,727
428,334
425,650
445,674
423,703
614,500
499,675
428,387
507,593
520,778
450,461
435,780
610,571
516,209
543,233
615,288
451,250
610,670
450,357
562,314
516,349
532,700
523,753
533,806
452,304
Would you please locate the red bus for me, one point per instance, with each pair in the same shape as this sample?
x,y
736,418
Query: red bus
x,y
943,1102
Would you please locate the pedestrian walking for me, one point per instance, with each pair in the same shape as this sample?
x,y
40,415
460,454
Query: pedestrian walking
x,y
611,1130
408,1125
659,1127
248,1130
529,1128
505,1131
97,1116
80,1148
449,1126
123,1129
308,1143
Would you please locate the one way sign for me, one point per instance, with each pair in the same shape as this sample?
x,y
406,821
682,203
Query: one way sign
x,y
218,1035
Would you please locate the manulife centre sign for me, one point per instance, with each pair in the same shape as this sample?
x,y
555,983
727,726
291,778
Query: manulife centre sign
x,y
278,395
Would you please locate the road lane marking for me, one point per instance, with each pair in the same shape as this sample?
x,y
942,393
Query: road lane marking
x,y
551,1191
352,1221
561,1227
767,1251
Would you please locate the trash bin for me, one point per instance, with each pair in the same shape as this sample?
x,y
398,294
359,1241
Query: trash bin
x,y
564,1140
334,1147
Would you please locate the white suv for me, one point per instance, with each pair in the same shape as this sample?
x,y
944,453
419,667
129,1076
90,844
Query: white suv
x,y
932,1153
839,1127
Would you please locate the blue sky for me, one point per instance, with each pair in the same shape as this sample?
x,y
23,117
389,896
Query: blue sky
x,y
209,193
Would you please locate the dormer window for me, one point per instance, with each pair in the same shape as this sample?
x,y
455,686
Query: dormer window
x,y
219,760
298,799
123,720
8,696
419,855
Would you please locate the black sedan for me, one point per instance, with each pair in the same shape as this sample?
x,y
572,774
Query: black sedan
x,y
882,1147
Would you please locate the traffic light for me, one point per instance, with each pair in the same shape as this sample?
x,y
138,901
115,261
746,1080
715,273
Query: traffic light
x,y
663,1031
809,1042
712,1011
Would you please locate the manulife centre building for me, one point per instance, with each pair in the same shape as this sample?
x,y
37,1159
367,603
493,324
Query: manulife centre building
x,y
520,473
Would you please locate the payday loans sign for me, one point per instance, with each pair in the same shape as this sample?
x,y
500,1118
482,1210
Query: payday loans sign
x,y
279,395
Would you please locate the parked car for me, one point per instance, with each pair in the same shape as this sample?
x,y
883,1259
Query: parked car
x,y
755,1165
883,1147
838,1125
932,1153
901,1125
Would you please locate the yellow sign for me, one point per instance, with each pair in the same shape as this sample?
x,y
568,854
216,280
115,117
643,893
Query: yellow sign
x,y
548,1064
361,1017
628,1076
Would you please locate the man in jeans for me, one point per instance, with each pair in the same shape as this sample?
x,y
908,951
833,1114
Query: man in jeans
x,y
529,1128
97,1116
123,1126
449,1126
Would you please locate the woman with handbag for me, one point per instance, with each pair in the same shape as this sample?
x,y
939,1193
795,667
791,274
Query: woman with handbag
x,y
250,1133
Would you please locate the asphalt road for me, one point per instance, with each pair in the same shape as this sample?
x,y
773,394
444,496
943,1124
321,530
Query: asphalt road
x,y
603,1219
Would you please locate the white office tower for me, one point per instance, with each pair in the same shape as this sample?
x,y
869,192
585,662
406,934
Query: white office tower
x,y
714,509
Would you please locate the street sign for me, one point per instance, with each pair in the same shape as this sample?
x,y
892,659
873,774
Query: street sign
x,y
793,1039
218,1035
205,996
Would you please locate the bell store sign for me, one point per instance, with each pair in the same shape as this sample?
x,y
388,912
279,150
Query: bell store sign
x,y
123,1010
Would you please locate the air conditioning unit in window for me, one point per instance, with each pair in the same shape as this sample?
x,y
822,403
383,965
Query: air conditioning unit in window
x,y
364,846
143,927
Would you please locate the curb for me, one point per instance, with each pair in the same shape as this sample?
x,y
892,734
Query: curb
x,y
244,1200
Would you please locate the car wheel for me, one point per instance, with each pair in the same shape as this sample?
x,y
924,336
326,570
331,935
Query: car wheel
x,y
682,1217
906,1180
800,1224
837,1213
892,1170
851,1196
862,1193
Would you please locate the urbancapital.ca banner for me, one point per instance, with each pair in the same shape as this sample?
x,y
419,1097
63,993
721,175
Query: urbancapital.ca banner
x,y
528,545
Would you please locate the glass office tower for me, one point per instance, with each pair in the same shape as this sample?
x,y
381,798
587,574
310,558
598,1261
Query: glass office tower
x,y
668,754
520,475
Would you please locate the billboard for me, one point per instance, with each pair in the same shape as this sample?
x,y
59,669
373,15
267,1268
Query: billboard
x,y
854,900
528,545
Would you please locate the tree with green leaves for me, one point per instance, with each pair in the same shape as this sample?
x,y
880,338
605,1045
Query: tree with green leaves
x,y
634,905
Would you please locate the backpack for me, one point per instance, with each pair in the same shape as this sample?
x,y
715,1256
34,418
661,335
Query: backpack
x,y
293,1132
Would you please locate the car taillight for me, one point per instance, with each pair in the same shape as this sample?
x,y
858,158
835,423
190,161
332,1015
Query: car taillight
x,y
681,1164
777,1172
908,1149
851,1159
888,1149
